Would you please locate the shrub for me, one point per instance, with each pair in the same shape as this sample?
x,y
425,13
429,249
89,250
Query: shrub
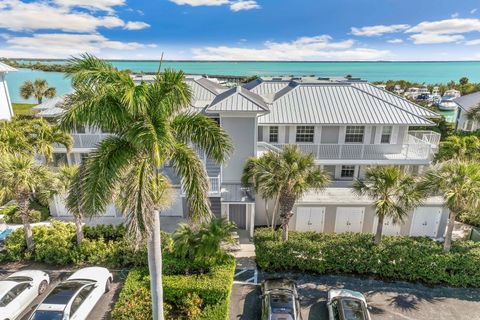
x,y
107,232
396,258
200,296
8,211
12,214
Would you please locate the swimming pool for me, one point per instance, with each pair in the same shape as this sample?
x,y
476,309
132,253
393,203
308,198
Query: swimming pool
x,y
5,233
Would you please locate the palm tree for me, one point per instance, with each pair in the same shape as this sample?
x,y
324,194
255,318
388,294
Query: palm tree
x,y
459,183
394,194
37,89
152,124
23,179
32,136
67,187
459,148
288,175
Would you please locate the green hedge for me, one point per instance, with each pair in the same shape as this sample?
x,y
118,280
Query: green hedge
x,y
396,258
37,213
213,288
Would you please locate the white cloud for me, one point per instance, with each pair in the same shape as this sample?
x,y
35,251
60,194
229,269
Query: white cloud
x,y
378,30
475,42
447,26
63,44
196,3
244,5
304,48
103,5
395,41
455,15
473,10
16,15
431,38
136,25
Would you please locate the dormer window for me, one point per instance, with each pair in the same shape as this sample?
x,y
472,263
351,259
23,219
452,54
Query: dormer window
x,y
305,134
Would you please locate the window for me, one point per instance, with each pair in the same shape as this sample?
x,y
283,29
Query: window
x,y
80,129
80,298
305,134
59,159
273,137
386,134
347,172
13,293
354,134
336,313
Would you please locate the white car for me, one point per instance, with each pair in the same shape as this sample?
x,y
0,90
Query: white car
x,y
75,298
19,289
343,304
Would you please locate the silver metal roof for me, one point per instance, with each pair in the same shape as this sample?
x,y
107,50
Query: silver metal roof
x,y
394,99
238,99
468,101
265,87
6,68
52,112
335,103
50,103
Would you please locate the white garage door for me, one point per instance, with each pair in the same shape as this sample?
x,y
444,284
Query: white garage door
x,y
389,228
349,219
310,219
425,222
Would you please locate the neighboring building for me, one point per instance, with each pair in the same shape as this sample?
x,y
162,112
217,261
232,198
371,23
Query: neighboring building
x,y
348,124
465,103
6,111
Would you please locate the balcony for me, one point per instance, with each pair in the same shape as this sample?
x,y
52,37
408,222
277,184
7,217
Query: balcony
x,y
418,149
214,186
86,141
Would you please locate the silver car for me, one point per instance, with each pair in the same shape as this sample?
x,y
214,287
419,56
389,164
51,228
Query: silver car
x,y
346,304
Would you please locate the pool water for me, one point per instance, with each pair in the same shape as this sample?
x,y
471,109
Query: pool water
x,y
5,233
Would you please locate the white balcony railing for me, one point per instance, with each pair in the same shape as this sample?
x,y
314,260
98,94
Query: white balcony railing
x,y
427,136
414,149
213,184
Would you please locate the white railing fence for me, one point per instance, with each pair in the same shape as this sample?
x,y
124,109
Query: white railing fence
x,y
427,136
86,140
213,184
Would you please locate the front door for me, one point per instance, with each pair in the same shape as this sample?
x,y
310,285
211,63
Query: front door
x,y
349,219
389,228
310,219
238,214
425,222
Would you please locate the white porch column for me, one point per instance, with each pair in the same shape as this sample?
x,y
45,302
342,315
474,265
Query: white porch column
x,y
251,213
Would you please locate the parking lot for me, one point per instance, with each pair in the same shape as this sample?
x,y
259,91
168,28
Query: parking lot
x,y
102,309
386,300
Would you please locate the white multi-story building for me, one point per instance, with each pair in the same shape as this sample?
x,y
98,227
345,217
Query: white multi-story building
x,y
465,104
348,125
6,112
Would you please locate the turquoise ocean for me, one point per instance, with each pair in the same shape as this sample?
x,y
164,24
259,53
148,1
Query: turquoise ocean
x,y
422,72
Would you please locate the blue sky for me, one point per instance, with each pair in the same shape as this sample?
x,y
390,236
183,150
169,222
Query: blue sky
x,y
242,29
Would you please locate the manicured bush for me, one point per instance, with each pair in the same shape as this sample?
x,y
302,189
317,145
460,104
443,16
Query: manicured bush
x,y
37,213
396,258
184,295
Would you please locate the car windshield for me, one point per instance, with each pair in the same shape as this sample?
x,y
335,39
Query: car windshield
x,y
19,279
352,309
47,315
281,303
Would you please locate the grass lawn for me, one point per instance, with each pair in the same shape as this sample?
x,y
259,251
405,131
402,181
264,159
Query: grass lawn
x,y
22,109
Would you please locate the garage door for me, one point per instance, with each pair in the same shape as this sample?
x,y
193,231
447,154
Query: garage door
x,y
310,219
425,222
349,219
389,228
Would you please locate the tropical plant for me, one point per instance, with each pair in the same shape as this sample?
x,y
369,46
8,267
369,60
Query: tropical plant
x,y
203,245
459,148
287,175
23,179
152,124
38,89
393,193
67,188
32,136
459,183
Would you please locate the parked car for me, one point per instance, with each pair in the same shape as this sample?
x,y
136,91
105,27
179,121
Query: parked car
x,y
343,304
75,298
280,300
19,289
